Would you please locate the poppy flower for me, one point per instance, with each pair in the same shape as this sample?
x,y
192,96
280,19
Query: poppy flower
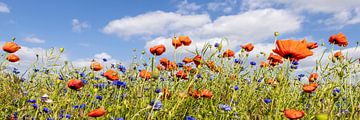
x,y
171,66
11,47
293,114
338,55
185,40
187,60
310,88
206,93
97,112
210,64
312,45
167,94
164,61
339,39
75,84
111,75
248,47
12,57
187,68
96,66
197,60
158,50
176,43
159,67
313,77
292,49
145,74
196,94
274,59
228,53
181,74
263,64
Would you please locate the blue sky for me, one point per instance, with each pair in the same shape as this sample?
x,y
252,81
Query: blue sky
x,y
83,27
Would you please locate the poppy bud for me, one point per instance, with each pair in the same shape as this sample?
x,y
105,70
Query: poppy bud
x,y
97,112
62,50
12,58
11,47
276,34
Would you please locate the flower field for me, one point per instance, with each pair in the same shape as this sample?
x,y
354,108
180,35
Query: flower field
x,y
213,82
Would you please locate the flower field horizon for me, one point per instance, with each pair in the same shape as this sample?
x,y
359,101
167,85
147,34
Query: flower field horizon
x,y
213,82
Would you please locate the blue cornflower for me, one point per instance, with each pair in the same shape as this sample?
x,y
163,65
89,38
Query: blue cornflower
x,y
236,87
293,67
61,115
36,70
158,105
84,82
180,65
35,106
225,107
238,61
301,75
31,101
46,110
119,118
157,90
266,100
119,83
335,91
211,77
122,68
189,118
15,71
82,106
82,74
99,97
295,63
102,73
76,107
15,114
260,79
50,118
102,85
61,77
216,45
198,75
252,63
68,116
104,59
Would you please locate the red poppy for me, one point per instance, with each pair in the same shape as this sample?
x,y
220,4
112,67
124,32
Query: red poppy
x,y
171,66
12,57
11,47
176,43
313,77
310,88
228,53
187,60
248,47
185,40
293,49
195,94
312,45
339,39
159,67
145,74
157,50
75,84
263,64
181,74
197,60
293,114
206,93
210,64
97,112
111,75
96,66
274,59
187,68
338,55
167,94
165,62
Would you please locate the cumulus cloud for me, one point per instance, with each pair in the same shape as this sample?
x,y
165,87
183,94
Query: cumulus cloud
x,y
4,8
78,26
33,39
155,23
184,7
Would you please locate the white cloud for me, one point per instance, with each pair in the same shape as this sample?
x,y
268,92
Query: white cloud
x,y
225,6
155,23
33,39
187,8
78,26
4,8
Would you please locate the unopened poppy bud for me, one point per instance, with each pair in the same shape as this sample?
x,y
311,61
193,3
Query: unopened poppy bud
x,y
322,44
322,116
134,49
276,34
143,52
62,50
13,38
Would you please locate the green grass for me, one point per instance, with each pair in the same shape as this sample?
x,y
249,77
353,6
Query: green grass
x,y
133,102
